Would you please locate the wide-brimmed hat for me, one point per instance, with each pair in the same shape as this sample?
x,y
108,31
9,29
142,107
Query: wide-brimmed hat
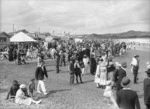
x,y
124,64
136,56
126,82
148,71
22,86
104,64
117,64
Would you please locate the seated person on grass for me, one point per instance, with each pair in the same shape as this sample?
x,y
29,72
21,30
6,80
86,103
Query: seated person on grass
x,y
13,89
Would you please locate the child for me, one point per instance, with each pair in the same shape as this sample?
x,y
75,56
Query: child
x,y
109,94
31,87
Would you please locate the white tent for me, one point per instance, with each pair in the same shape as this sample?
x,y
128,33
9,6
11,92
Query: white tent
x,y
21,37
49,39
78,40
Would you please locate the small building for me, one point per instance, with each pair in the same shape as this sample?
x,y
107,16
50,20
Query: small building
x,y
4,40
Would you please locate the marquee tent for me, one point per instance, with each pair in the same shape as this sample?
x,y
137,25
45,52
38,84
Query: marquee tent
x,y
21,37
49,39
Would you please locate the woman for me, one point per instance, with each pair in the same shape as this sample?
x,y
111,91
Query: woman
x,y
21,97
86,65
97,75
103,75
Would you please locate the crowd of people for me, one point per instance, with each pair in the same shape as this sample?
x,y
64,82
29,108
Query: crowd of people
x,y
87,57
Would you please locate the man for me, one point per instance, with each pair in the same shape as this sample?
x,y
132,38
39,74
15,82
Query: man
x,y
57,62
119,74
13,90
71,68
62,58
147,89
127,98
39,76
135,67
92,65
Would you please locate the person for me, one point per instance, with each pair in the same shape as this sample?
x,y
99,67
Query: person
x,y
119,74
31,87
62,58
97,75
110,70
86,64
127,98
39,76
135,67
147,89
117,67
57,62
13,90
103,73
71,68
108,93
92,65
77,71
21,98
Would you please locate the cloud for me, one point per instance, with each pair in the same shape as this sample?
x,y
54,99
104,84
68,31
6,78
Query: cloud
x,y
81,16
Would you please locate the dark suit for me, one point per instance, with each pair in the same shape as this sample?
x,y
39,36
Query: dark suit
x,y
127,99
147,92
135,73
119,74
40,72
71,68
93,66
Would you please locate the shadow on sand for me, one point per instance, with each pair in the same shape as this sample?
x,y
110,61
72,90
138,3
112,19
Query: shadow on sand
x,y
52,92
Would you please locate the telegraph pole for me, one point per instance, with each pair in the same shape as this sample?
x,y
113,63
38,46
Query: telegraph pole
x,y
13,28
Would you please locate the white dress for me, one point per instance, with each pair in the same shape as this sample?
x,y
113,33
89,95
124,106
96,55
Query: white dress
x,y
22,99
103,75
86,68
97,75
108,92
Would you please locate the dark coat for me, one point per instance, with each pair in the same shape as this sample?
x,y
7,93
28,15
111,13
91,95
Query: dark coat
x,y
39,73
119,74
147,91
71,67
13,90
93,65
127,99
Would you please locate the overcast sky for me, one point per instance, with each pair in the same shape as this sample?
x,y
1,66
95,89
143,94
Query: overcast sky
x,y
76,16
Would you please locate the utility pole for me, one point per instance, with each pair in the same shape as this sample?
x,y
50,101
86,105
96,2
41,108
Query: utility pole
x,y
13,28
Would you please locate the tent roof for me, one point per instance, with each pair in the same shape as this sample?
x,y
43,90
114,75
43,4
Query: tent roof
x,y
22,37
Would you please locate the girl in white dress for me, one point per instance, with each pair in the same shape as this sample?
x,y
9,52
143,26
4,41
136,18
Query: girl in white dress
x,y
103,75
97,75
108,93
86,68
21,98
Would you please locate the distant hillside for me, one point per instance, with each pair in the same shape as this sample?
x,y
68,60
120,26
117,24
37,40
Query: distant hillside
x,y
128,34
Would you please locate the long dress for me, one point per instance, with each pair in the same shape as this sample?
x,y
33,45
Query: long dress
x,y
97,75
86,68
103,75
21,98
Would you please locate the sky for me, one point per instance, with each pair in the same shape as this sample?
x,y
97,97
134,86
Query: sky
x,y
75,16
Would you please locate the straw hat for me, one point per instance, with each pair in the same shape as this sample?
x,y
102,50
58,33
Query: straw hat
x,y
126,82
117,64
22,86
104,64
